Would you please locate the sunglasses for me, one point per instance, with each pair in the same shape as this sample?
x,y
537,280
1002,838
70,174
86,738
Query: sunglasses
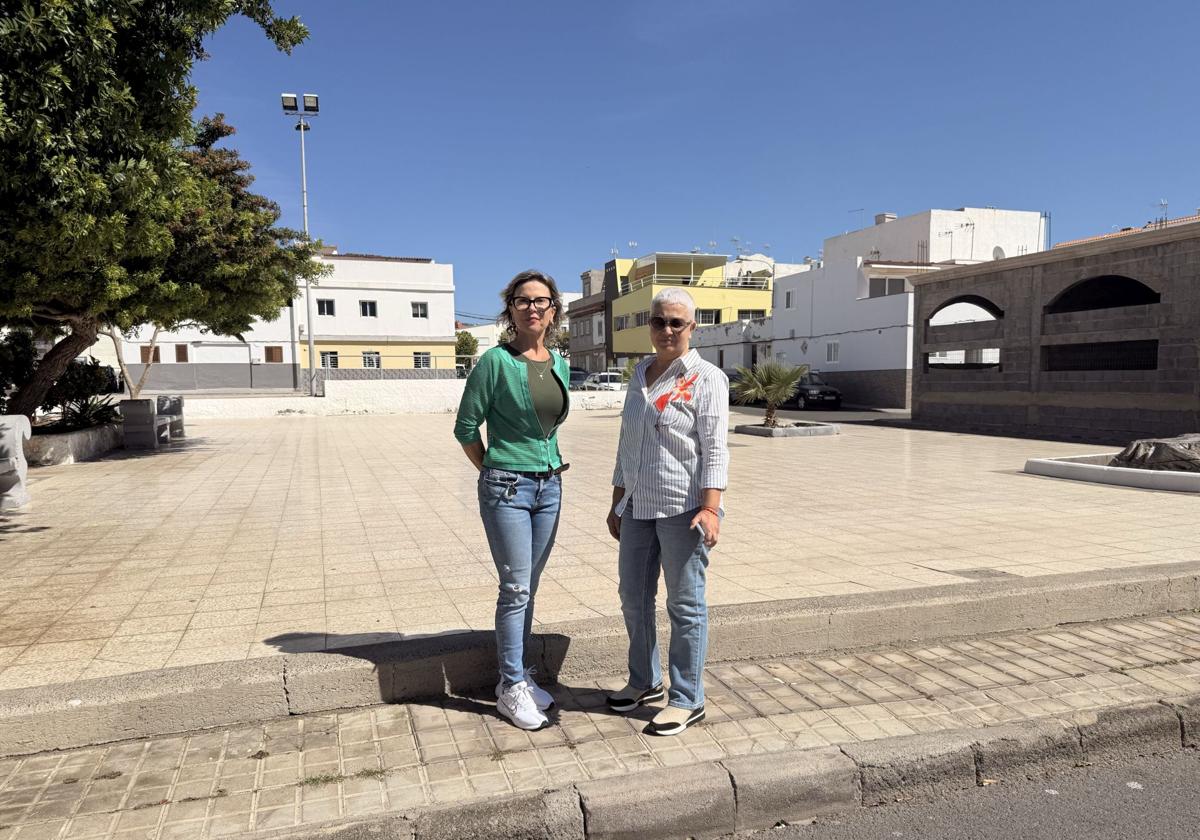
x,y
660,323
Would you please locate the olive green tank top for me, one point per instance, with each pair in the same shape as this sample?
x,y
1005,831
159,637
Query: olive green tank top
x,y
547,394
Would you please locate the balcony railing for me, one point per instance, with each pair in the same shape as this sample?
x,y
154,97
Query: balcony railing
x,y
759,283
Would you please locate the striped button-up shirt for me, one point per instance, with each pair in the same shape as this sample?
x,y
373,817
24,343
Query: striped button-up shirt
x,y
673,438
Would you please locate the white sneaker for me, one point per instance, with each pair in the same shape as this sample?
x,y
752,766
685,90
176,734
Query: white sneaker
x,y
517,704
544,699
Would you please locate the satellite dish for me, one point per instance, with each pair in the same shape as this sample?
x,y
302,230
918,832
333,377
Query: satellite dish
x,y
997,253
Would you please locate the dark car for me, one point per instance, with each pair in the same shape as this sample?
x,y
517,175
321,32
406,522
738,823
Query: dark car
x,y
577,377
815,392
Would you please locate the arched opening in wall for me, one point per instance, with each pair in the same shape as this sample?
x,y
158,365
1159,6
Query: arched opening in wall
x,y
1107,291
965,309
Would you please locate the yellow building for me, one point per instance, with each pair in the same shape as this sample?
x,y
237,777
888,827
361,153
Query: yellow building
x,y
720,298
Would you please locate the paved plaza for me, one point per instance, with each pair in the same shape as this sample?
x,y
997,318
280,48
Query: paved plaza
x,y
345,530
306,770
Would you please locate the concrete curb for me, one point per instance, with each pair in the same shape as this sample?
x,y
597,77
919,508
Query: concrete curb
x,y
154,703
758,791
1096,469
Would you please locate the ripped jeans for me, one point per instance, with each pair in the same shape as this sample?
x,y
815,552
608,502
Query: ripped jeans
x,y
520,517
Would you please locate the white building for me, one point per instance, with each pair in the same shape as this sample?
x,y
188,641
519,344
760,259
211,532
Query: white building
x,y
374,317
849,315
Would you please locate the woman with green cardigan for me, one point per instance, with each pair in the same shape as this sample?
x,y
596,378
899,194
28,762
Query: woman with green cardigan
x,y
519,390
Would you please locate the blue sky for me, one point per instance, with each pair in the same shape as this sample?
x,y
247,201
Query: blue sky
x,y
501,136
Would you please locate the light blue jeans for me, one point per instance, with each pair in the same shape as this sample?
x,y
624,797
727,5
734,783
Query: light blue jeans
x,y
669,544
520,517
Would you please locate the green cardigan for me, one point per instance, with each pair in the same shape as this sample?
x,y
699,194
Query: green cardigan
x,y
497,393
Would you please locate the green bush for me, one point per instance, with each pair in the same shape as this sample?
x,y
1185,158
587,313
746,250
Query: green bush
x,y
769,382
17,355
80,381
87,413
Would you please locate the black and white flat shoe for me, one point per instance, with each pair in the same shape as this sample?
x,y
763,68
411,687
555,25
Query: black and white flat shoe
x,y
672,721
629,698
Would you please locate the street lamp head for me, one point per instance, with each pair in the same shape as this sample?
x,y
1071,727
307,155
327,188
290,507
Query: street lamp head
x,y
311,105
291,103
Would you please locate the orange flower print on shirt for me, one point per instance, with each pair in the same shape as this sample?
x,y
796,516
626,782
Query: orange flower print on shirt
x,y
681,391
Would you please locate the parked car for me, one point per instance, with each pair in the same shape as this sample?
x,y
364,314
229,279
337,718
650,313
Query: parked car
x,y
815,392
603,382
578,375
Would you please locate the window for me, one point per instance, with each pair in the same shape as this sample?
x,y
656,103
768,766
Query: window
x,y
641,319
883,286
329,358
832,350
422,360
371,359
325,306
621,322
787,299
708,316
146,354
181,353
751,314
273,355
420,309
368,309
1104,355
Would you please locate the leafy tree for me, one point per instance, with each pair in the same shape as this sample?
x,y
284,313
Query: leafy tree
x,y
560,341
229,263
94,105
17,360
769,382
465,347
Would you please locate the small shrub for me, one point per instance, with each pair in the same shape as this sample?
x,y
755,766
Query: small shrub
x,y
88,413
770,382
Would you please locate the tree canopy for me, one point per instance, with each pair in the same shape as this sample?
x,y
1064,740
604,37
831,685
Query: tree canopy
x,y
99,186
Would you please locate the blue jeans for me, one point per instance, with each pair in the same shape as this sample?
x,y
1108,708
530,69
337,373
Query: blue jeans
x,y
520,517
672,545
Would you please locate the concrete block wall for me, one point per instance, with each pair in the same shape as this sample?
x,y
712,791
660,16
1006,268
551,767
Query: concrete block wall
x,y
877,388
1021,397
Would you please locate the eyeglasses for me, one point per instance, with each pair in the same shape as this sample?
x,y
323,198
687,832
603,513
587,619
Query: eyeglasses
x,y
660,323
541,304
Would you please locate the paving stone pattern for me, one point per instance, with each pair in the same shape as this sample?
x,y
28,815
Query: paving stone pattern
x,y
337,531
311,769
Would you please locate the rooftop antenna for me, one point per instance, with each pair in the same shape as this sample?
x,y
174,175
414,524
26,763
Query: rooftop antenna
x,y
712,246
737,245
633,245
859,211
1162,208
614,250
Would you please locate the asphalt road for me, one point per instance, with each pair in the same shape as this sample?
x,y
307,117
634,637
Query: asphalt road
x,y
1155,798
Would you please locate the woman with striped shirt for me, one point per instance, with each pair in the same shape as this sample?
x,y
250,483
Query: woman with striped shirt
x,y
672,467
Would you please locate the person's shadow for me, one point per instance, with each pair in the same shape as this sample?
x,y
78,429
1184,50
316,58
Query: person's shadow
x,y
452,670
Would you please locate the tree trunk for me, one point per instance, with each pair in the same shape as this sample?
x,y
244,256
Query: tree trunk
x,y
116,340
769,421
136,390
31,394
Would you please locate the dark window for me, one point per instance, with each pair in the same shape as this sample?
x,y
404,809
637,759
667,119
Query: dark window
x,y
1106,292
420,309
329,358
368,309
876,287
1104,355
273,354
325,306
181,353
146,353
975,300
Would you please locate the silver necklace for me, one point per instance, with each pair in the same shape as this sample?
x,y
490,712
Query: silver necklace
x,y
541,371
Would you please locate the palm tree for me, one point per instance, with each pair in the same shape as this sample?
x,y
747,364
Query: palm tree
x,y
769,382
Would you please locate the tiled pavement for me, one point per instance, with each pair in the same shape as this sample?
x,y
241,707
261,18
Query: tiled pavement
x,y
353,529
310,769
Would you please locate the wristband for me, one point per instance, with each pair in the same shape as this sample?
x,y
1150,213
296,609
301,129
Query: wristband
x,y
711,510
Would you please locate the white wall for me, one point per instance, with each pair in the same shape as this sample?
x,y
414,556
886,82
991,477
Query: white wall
x,y
394,286
387,396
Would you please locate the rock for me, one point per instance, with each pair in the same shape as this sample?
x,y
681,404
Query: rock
x,y
1181,454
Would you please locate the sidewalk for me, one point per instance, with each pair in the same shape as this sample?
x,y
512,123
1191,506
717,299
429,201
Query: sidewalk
x,y
309,770
341,531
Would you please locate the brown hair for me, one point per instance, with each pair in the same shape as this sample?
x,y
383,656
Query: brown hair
x,y
530,276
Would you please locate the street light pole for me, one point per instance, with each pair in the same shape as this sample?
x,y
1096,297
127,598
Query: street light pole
x,y
292,107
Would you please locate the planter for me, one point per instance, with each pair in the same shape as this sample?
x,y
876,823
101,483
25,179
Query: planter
x,y
69,447
800,428
1095,468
